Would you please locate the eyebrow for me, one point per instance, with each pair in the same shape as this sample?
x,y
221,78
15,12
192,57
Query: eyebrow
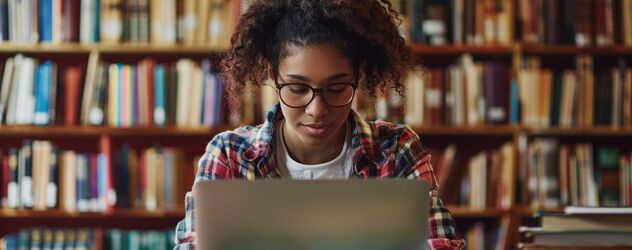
x,y
331,78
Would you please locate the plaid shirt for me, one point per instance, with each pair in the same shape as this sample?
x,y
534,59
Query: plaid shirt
x,y
380,150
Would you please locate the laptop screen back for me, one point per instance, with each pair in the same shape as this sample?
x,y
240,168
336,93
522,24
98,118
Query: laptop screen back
x,y
321,214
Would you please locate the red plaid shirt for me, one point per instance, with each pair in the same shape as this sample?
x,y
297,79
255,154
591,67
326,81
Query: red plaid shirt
x,y
380,150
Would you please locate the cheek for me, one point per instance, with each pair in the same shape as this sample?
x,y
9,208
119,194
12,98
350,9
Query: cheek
x,y
342,114
290,114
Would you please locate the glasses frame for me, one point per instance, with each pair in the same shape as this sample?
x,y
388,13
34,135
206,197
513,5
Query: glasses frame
x,y
315,92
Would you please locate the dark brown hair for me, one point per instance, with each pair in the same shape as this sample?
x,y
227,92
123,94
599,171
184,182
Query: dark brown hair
x,y
365,31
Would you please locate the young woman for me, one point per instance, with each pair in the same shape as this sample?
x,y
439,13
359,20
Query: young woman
x,y
318,53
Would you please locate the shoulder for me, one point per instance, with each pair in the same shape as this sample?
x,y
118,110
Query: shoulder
x,y
398,142
388,134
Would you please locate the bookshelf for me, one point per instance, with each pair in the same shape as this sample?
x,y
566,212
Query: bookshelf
x,y
470,139
116,49
93,136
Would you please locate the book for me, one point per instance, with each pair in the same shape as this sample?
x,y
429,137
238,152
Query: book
x,y
598,210
556,222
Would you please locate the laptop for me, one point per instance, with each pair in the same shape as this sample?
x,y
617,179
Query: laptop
x,y
317,214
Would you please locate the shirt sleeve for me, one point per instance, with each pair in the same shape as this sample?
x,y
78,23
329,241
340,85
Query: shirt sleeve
x,y
213,165
441,228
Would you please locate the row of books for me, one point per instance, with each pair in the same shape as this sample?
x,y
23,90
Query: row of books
x,y
481,235
482,181
148,179
579,22
456,21
582,97
580,227
184,94
559,174
467,93
40,176
475,93
187,93
83,239
163,22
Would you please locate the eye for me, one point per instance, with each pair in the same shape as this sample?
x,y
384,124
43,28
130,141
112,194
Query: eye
x,y
337,88
298,89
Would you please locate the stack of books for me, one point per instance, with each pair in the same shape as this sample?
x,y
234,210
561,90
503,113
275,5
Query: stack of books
x,y
581,227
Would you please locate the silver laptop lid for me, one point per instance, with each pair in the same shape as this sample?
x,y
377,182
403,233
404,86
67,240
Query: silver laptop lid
x,y
321,214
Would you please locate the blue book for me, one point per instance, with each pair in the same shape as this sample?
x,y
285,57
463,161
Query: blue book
x,y
96,20
43,82
24,237
102,181
83,187
46,20
159,95
10,241
416,21
514,103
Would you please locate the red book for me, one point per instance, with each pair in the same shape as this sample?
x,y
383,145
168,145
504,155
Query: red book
x,y
433,103
72,78
70,20
6,177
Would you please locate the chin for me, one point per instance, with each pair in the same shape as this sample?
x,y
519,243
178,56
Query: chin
x,y
313,141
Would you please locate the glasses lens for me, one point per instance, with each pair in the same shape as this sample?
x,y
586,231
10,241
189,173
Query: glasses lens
x,y
299,95
338,94
295,95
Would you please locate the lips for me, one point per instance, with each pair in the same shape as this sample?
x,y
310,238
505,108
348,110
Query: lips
x,y
315,129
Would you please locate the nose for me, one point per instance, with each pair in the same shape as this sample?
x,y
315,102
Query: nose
x,y
317,108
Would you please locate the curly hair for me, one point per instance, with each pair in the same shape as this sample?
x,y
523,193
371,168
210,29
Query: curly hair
x,y
365,31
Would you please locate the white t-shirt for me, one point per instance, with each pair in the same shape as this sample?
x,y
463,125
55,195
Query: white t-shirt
x,y
338,168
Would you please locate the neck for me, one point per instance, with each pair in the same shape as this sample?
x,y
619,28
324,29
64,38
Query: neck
x,y
314,154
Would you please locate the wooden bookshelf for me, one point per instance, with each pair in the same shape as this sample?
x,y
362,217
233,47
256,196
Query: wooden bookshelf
x,y
131,219
466,212
89,131
583,132
119,213
453,131
470,138
115,49
423,49
573,50
525,211
419,49
492,130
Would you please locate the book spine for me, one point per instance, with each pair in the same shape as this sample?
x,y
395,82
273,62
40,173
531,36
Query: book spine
x,y
159,95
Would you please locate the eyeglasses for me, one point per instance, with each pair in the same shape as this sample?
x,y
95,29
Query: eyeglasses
x,y
298,95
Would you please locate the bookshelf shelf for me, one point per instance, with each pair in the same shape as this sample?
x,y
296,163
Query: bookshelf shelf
x,y
485,130
498,130
572,50
423,49
117,213
120,218
525,211
88,131
605,131
464,211
115,49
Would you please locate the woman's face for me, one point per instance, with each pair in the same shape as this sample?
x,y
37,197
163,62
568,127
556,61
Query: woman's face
x,y
318,66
